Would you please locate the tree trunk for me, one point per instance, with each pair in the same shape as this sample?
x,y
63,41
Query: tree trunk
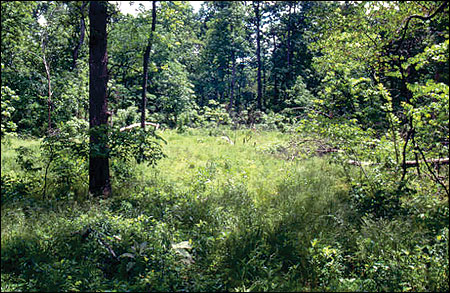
x,y
146,57
233,81
82,33
288,45
49,86
99,181
275,74
258,53
233,69
49,83
264,83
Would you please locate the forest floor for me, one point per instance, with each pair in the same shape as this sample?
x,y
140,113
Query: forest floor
x,y
225,210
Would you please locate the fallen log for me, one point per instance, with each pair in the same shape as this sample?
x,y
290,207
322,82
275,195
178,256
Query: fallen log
x,y
441,161
156,125
358,163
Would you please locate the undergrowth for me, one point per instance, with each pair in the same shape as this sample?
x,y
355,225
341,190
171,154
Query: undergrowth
x,y
226,210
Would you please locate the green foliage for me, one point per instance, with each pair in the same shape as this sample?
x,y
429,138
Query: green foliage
x,y
429,114
299,95
225,44
394,260
8,96
327,263
125,117
227,217
62,165
383,97
13,188
215,114
175,95
278,121
137,144
330,185
60,168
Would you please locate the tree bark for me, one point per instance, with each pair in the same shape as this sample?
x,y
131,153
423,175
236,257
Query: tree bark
x,y
258,52
288,44
408,136
82,33
233,70
233,81
99,181
44,40
145,66
49,86
276,92
264,84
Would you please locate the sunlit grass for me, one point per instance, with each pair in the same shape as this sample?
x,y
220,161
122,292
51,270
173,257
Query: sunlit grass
x,y
250,212
9,144
238,155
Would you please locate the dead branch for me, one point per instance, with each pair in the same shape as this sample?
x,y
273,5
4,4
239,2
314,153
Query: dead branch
x,y
408,164
310,109
440,161
431,170
408,136
100,238
156,125
327,150
358,163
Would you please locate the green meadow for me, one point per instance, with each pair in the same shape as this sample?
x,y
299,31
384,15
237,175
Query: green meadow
x,y
225,210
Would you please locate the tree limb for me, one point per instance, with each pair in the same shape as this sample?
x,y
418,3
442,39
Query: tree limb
x,y
145,66
82,33
310,109
408,136
156,125
424,18
407,164
436,178
99,236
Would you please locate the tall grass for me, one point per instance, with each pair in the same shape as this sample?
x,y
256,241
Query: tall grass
x,y
241,216
9,146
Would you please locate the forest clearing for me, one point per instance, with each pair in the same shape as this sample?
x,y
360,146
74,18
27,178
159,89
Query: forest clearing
x,y
249,215
236,146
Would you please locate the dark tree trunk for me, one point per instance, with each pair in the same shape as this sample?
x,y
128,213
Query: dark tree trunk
x,y
82,33
44,40
146,57
99,182
258,53
264,83
288,45
276,91
233,81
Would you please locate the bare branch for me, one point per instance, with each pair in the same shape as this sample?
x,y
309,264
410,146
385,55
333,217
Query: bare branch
x,y
156,125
